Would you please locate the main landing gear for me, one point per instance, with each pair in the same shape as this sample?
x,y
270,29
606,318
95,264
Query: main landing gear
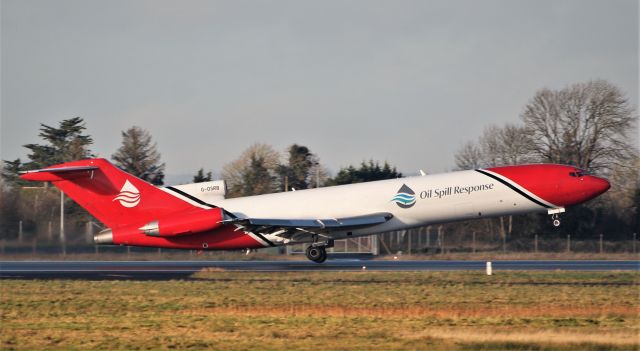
x,y
317,252
555,215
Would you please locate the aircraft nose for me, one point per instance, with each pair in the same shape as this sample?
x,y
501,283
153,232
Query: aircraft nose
x,y
599,185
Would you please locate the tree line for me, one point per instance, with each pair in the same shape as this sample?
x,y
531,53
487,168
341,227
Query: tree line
x,y
260,169
35,205
589,125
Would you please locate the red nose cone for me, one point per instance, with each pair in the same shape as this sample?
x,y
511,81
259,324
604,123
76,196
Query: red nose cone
x,y
600,185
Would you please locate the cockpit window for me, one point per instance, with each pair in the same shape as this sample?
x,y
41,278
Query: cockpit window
x,y
579,173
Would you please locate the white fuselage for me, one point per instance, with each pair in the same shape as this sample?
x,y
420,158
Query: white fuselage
x,y
438,198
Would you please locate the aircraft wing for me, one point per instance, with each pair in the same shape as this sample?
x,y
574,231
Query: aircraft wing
x,y
294,227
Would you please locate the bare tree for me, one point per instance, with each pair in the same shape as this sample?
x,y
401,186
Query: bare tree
x,y
506,145
139,156
514,145
497,146
469,157
622,197
318,175
239,171
586,125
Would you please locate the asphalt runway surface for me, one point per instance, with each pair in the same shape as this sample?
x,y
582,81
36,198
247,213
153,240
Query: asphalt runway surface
x,y
166,270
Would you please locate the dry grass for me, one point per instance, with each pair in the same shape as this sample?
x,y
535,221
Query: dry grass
x,y
526,337
328,310
422,312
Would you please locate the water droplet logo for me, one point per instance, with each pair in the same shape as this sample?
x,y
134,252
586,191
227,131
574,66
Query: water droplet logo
x,y
129,195
405,197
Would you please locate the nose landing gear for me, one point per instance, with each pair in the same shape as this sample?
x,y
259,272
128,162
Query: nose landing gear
x,y
555,215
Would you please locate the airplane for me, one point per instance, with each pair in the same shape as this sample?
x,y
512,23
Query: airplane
x,y
199,216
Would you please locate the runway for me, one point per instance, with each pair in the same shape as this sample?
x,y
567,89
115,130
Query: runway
x,y
163,270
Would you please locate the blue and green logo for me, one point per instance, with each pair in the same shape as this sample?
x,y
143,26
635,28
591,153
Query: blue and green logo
x,y
405,197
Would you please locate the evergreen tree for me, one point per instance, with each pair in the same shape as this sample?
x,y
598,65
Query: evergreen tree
x,y
11,173
139,156
300,170
241,177
257,179
65,143
201,177
368,171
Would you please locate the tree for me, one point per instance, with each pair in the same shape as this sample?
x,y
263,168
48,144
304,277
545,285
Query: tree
x,y
621,201
201,177
368,171
300,162
11,173
257,178
586,125
139,156
8,209
506,145
636,208
65,143
236,173
302,170
318,175
470,156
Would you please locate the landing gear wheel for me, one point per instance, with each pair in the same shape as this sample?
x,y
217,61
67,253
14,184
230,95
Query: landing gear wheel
x,y
556,220
317,254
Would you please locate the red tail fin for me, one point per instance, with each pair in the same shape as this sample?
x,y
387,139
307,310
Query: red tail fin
x,y
114,197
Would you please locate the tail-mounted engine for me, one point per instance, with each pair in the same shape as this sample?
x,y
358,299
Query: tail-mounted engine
x,y
185,223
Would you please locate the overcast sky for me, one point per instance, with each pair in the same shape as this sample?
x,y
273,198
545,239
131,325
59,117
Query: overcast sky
x,y
403,81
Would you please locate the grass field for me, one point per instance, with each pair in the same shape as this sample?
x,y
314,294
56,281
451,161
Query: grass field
x,y
328,310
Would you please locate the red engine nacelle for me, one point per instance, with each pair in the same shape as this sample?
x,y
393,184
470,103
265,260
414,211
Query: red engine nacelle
x,y
184,223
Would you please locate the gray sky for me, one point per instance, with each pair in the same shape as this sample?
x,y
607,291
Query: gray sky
x,y
403,81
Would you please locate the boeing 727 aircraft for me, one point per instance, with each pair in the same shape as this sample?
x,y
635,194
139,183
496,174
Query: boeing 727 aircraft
x,y
199,216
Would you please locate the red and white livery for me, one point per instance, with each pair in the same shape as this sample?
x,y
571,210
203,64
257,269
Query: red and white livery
x,y
199,216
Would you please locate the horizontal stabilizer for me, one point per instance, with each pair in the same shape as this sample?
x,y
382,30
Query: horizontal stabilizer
x,y
61,169
57,173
